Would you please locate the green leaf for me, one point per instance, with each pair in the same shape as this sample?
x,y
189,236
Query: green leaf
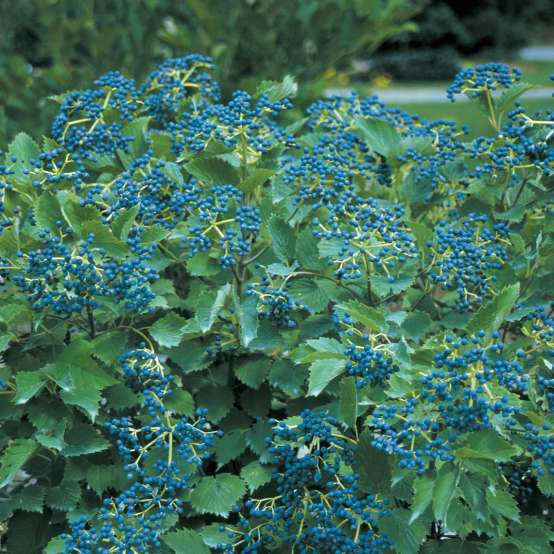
x,y
423,495
186,541
287,377
218,401
209,305
24,148
180,402
27,383
307,250
444,489
406,537
48,211
276,91
14,458
309,293
247,312
322,372
510,95
253,372
381,136
84,439
282,238
217,495
255,475
30,498
369,317
373,466
348,401
103,477
169,330
490,316
104,238
503,503
487,445
213,171
124,221
56,546
256,179
65,496
230,446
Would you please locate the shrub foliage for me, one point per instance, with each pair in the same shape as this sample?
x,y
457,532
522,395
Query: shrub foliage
x,y
221,334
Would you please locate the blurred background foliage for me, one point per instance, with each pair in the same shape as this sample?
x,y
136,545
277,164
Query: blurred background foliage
x,y
49,46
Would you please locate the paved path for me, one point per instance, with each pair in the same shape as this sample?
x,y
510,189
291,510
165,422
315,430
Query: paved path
x,y
426,95
430,94
537,53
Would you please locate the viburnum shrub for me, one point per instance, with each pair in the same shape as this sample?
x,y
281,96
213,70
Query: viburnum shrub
x,y
223,334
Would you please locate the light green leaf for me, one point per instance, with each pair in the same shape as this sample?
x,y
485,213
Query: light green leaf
x,y
310,294
14,457
28,383
276,91
444,489
180,402
169,330
503,503
186,541
256,179
213,171
282,238
381,136
104,238
373,466
490,316
348,401
48,211
217,495
322,372
369,317
423,495
124,221
487,445
209,305
247,312
255,475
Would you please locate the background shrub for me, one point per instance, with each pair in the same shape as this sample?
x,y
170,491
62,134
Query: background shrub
x,y
48,47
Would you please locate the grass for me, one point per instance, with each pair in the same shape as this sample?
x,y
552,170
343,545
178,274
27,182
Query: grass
x,y
535,72
468,113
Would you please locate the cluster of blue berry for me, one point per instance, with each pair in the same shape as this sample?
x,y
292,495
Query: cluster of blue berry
x,y
369,237
238,125
468,387
467,251
274,301
482,79
157,453
70,280
318,506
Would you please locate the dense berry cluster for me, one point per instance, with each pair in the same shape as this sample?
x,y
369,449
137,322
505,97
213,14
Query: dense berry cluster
x,y
72,279
370,365
274,301
154,451
467,389
368,236
318,508
483,78
467,253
